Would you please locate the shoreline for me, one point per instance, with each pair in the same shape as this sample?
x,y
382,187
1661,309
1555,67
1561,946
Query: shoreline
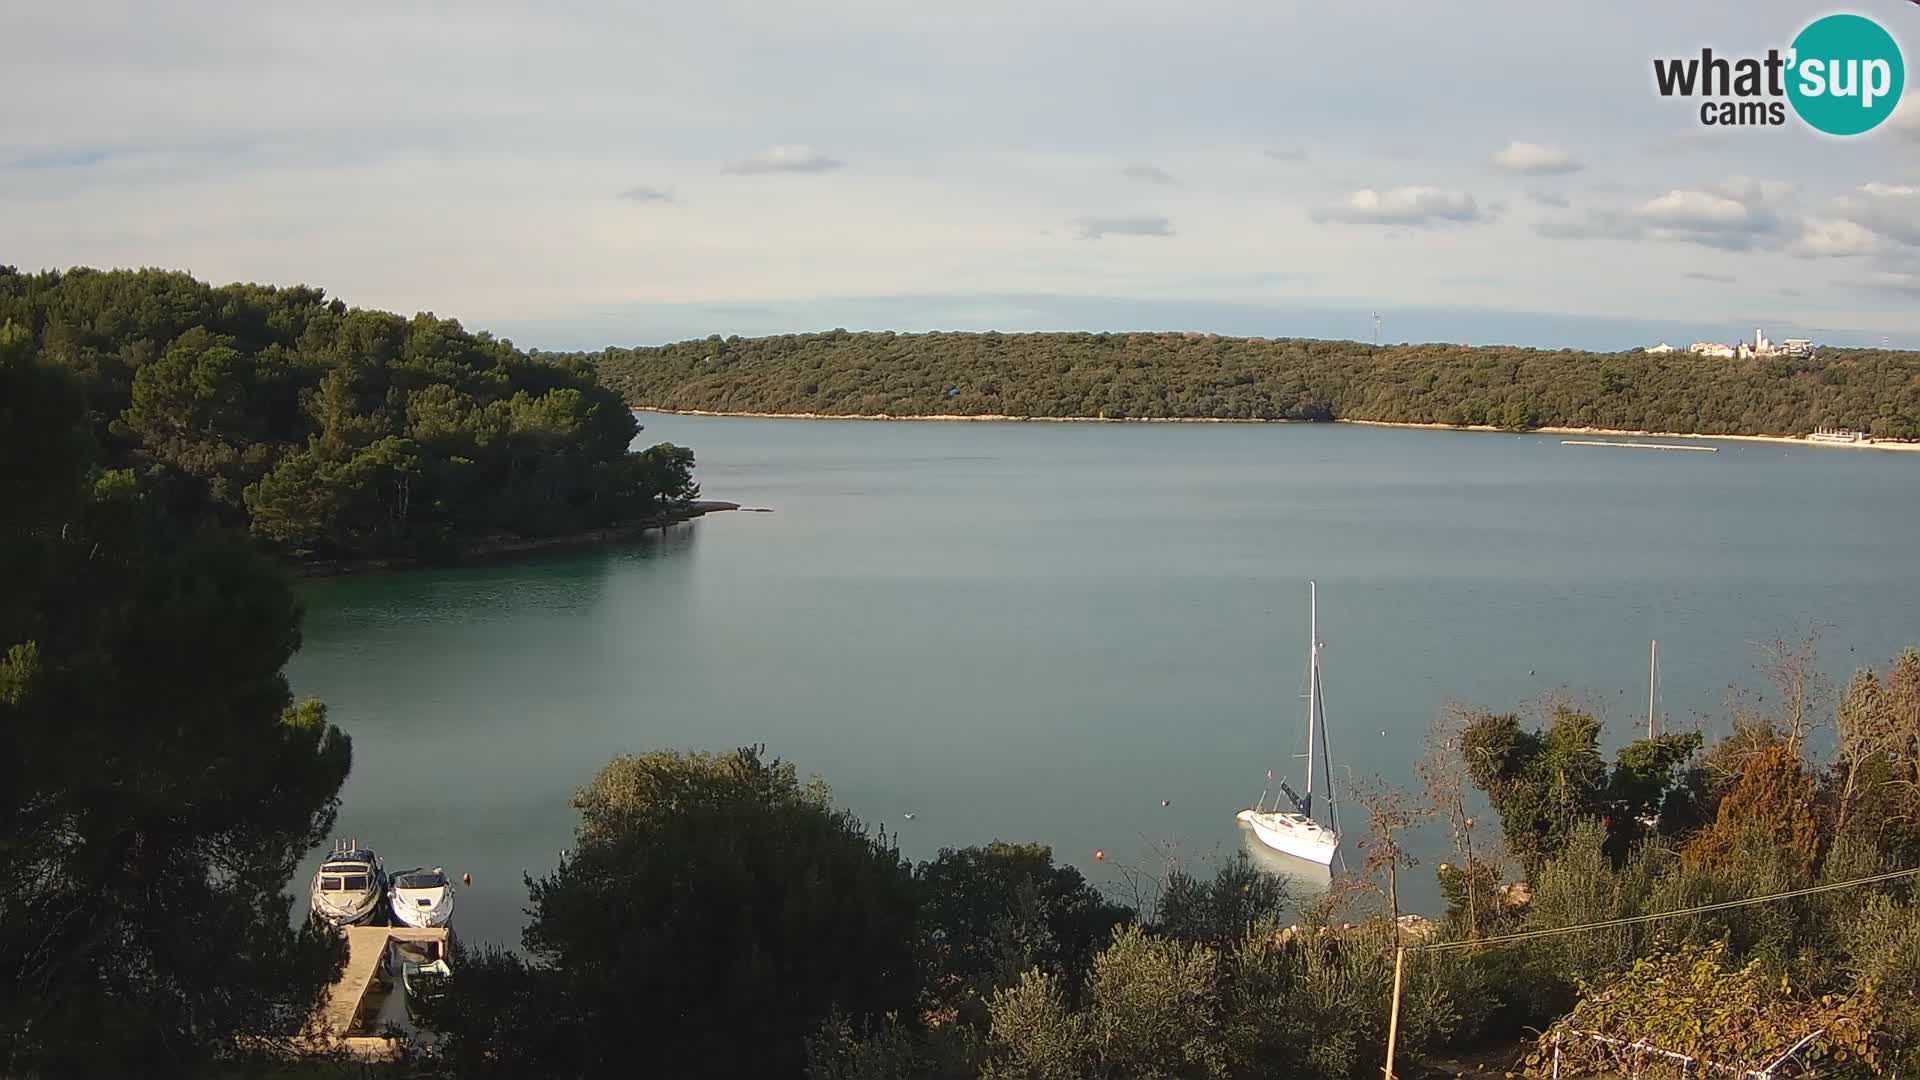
x,y
499,548
999,418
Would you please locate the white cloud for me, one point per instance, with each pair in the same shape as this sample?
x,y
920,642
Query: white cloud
x,y
1093,228
1549,198
1905,121
1412,205
1738,214
785,159
1150,173
1533,158
1694,210
1823,238
1890,210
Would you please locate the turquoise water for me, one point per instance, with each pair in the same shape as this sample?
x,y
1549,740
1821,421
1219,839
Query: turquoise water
x,y
1041,631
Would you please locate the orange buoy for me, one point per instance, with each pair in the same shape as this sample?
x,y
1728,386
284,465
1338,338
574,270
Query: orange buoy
x,y
466,879
1099,854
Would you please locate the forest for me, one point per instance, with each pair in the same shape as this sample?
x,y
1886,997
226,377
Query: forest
x,y
1172,375
335,432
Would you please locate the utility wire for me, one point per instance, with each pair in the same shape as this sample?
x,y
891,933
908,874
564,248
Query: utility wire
x,y
1528,935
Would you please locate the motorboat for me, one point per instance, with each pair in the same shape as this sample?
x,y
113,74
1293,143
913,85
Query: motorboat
x,y
350,884
421,897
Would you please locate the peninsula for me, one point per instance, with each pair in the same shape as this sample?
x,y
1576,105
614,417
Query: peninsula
x,y
339,438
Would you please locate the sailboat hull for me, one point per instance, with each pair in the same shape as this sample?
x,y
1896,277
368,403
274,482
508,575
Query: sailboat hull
x,y
1293,834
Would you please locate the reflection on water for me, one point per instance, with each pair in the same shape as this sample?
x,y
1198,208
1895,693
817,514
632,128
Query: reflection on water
x,y
1305,878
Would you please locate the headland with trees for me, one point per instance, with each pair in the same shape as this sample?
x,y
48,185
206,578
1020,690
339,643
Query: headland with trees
x,y
334,434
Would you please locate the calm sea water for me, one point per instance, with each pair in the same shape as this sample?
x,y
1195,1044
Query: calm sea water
x,y
1041,631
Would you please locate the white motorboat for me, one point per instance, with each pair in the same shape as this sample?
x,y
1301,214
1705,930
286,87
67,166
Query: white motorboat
x,y
421,897
1297,832
348,887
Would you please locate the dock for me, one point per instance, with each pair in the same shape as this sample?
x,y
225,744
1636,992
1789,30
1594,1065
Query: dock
x,y
1638,445
350,1014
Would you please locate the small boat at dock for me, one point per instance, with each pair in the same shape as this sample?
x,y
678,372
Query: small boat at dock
x,y
421,897
350,884
1838,435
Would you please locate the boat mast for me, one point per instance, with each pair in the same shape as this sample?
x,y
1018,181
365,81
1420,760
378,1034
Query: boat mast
x,y
1326,753
1653,661
1313,686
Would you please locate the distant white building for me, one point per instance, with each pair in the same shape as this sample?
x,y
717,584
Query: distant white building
x,y
1745,350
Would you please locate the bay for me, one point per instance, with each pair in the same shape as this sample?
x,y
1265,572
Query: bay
x,y
1040,631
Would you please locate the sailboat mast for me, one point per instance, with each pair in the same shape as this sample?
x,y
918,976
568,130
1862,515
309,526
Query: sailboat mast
x,y
1313,686
1653,666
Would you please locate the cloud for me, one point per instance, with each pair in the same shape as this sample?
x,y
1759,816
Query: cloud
x,y
1549,198
1826,238
1285,155
1535,159
643,194
1717,279
785,159
1905,121
1890,210
1739,214
1403,206
1150,173
1093,228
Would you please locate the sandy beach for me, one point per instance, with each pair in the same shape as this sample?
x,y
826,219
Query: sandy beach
x,y
1789,440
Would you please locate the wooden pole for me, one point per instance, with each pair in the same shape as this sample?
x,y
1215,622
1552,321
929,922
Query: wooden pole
x,y
1393,1017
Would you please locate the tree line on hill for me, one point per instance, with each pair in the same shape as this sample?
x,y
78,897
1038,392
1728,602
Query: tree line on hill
x,y
335,432
1166,376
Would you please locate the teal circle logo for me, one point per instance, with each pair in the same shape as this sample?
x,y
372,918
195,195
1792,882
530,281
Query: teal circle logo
x,y
1846,74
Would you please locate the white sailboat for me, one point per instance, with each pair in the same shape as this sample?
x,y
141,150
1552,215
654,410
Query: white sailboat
x,y
1297,832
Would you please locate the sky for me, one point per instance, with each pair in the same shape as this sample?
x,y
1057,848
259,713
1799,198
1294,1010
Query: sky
x,y
579,174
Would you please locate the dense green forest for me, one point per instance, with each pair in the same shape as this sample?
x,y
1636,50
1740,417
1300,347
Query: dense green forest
x,y
1158,376
158,783
330,431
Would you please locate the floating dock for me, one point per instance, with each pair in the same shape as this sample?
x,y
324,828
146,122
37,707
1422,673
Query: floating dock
x,y
350,1015
1638,445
